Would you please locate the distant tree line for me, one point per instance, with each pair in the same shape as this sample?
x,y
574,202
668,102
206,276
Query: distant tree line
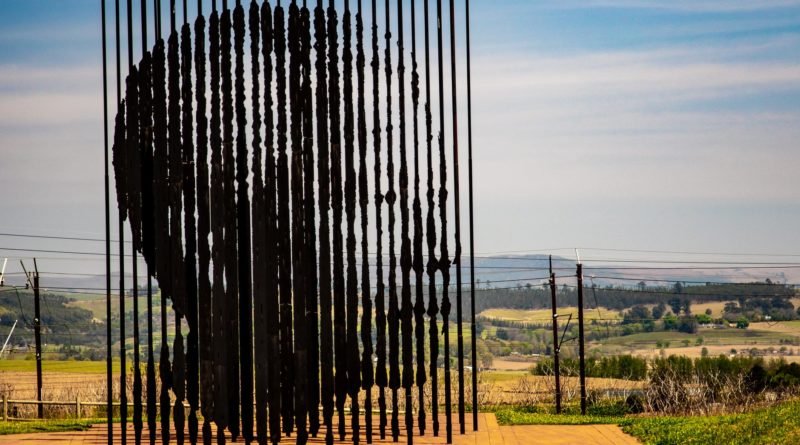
x,y
676,297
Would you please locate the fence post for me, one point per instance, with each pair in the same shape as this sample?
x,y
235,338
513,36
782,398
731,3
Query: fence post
x,y
78,407
5,408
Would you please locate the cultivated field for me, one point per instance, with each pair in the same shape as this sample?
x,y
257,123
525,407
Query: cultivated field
x,y
544,316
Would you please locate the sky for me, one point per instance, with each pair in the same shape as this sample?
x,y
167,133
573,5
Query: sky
x,y
669,125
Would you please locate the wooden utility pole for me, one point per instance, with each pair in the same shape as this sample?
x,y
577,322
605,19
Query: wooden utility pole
x,y
581,348
33,280
556,368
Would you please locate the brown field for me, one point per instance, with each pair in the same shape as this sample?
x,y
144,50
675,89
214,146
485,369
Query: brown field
x,y
522,388
791,328
715,306
713,351
512,365
56,386
544,316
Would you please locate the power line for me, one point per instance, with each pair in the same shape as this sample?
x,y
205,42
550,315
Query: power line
x,y
66,252
54,237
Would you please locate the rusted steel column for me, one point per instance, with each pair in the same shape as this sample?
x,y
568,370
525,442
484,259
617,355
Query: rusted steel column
x,y
310,263
381,378
298,222
363,199
457,212
444,261
259,226
393,316
244,259
323,152
353,359
190,231
271,242
406,307
284,228
430,238
417,261
219,322
339,321
204,324
231,234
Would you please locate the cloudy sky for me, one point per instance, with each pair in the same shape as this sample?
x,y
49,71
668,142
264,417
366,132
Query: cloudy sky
x,y
626,124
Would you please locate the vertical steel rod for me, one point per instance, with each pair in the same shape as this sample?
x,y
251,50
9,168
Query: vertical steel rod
x,y
473,330
107,186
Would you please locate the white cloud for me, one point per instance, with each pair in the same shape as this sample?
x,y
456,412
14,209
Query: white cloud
x,y
687,5
636,124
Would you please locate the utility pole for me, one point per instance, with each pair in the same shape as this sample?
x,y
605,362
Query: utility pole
x,y
37,332
556,368
3,273
581,349
3,351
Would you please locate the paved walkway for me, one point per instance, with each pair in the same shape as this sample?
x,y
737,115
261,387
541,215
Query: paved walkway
x,y
490,434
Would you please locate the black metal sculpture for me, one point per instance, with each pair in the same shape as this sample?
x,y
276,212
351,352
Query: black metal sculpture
x,y
219,325
259,225
323,153
204,319
363,199
417,261
310,225
444,260
381,378
271,300
430,237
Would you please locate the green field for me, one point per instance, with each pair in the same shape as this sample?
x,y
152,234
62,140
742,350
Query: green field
x,y
774,425
46,426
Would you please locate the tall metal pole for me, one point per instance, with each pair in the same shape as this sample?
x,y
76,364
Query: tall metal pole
x,y
473,331
123,398
581,349
556,368
109,372
457,212
37,331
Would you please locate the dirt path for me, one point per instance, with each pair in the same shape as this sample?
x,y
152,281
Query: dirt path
x,y
490,434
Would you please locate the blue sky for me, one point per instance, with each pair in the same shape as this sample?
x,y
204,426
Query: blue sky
x,y
638,124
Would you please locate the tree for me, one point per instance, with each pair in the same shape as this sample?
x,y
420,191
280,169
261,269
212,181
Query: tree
x,y
686,306
688,325
501,334
704,352
675,305
485,356
636,314
659,310
670,322
704,319
708,311
742,323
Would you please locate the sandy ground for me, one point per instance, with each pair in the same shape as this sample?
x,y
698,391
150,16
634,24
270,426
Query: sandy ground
x,y
490,433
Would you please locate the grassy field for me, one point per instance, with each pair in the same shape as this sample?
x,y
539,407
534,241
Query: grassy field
x,y
47,426
774,425
66,366
755,336
715,306
544,316
790,328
